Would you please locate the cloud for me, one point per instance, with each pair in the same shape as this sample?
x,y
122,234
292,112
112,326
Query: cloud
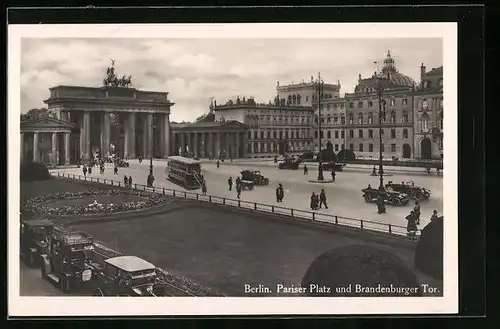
x,y
193,70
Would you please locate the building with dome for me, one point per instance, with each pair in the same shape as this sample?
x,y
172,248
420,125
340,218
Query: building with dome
x,y
362,114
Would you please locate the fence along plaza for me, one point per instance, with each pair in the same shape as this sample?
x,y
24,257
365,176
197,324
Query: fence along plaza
x,y
297,214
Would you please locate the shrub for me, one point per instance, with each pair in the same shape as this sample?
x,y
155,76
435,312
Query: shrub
x,y
429,252
34,171
362,265
346,155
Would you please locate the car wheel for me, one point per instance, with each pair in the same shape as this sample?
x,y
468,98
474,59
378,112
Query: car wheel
x,y
368,198
418,196
396,202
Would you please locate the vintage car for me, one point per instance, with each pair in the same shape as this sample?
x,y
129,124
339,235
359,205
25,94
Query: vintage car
x,y
33,239
254,176
68,261
129,276
332,165
415,192
390,196
121,163
289,163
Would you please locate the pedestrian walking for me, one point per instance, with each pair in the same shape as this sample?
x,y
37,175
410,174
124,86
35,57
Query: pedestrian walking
x,y
322,199
125,180
230,183
411,226
305,170
130,181
238,190
218,164
280,193
204,188
374,173
434,215
416,209
313,201
116,170
90,170
333,174
238,182
84,170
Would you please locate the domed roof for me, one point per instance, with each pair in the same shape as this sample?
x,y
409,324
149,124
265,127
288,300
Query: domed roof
x,y
397,79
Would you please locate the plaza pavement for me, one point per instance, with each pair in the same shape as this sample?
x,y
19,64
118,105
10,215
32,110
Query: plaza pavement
x,y
344,196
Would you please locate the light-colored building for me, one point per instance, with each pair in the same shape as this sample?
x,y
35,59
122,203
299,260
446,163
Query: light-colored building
x,y
362,115
428,115
333,123
305,93
273,128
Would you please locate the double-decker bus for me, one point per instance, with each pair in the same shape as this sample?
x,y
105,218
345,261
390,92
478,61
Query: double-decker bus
x,y
185,172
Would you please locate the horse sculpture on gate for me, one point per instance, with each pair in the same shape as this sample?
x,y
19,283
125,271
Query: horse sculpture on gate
x,y
112,80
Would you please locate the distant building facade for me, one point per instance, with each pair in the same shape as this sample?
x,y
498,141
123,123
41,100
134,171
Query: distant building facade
x,y
305,94
428,115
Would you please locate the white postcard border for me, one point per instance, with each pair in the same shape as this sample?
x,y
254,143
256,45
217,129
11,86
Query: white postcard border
x,y
79,306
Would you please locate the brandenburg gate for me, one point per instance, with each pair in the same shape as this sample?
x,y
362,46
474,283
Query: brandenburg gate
x,y
132,122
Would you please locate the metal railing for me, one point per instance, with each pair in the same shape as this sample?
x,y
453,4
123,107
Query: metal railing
x,y
346,222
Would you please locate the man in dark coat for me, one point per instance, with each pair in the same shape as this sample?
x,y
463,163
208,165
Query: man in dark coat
x,y
322,199
434,215
130,181
204,187
238,190
218,164
374,173
238,181
230,183
125,180
313,201
90,170
281,193
416,210
411,226
84,170
116,170
305,170
333,174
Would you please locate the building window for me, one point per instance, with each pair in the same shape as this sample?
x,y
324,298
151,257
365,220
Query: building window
x,y
370,118
336,147
393,117
360,147
335,120
393,133
274,134
328,119
336,134
382,147
350,118
255,135
261,135
424,125
393,148
351,105
249,135
342,120
405,101
393,102
360,118
405,133
334,106
342,134
268,134
370,133
249,148
281,134
328,134
424,104
351,147
293,134
351,133
307,98
341,105
360,133
315,134
405,117
322,134
342,147
370,147
370,104
360,104
286,134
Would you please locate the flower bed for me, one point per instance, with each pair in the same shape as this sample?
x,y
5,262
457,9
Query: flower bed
x,y
38,205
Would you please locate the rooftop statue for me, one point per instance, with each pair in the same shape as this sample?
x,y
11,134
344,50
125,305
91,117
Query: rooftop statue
x,y
111,80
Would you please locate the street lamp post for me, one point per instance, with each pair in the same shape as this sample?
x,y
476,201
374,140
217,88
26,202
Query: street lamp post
x,y
381,113
319,89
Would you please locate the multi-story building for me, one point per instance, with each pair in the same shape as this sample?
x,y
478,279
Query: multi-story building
x,y
333,123
273,128
305,94
428,115
362,115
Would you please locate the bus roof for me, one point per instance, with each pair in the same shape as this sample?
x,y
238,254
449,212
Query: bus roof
x,y
184,159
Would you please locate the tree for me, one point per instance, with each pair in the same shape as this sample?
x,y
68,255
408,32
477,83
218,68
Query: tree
x,y
210,117
35,114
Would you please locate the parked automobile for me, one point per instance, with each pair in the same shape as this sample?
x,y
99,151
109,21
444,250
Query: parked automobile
x,y
68,261
121,163
254,176
390,197
289,163
247,185
33,239
332,165
129,276
414,191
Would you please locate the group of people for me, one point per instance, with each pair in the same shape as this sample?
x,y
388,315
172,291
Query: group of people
x,y
237,184
318,200
127,181
414,219
306,172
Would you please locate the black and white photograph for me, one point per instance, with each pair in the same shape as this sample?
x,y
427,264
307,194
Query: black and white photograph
x,y
247,168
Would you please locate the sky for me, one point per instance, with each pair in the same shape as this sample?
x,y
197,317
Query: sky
x,y
194,70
